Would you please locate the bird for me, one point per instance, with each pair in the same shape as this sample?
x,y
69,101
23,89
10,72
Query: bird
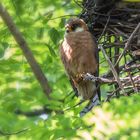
x,y
78,55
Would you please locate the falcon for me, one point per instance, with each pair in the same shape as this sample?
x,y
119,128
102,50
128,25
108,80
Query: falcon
x,y
78,54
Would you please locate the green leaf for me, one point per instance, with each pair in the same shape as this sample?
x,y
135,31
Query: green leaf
x,y
54,35
62,23
52,52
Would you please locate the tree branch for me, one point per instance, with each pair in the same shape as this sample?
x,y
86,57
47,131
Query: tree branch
x,y
37,112
125,81
26,51
13,133
34,112
112,68
128,43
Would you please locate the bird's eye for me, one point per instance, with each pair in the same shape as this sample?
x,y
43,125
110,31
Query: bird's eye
x,y
74,26
67,31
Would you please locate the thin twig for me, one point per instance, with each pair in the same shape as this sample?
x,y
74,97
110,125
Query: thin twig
x,y
112,94
121,32
108,60
79,4
132,81
12,133
62,17
103,51
128,43
112,68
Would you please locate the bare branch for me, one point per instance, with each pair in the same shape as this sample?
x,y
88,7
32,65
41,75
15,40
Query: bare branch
x,y
101,80
26,51
125,81
112,68
128,43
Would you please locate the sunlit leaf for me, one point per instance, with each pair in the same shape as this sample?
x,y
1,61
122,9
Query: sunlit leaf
x,y
54,35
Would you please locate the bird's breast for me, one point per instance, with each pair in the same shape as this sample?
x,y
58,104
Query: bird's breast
x,y
78,52
67,50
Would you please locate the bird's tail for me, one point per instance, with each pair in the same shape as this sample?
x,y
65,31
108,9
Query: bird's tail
x,y
93,102
86,89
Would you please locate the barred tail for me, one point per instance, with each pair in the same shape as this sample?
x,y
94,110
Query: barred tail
x,y
93,102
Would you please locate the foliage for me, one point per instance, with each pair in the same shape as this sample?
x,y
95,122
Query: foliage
x,y
20,90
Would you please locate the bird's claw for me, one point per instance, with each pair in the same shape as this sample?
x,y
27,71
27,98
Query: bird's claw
x,y
85,77
89,77
79,77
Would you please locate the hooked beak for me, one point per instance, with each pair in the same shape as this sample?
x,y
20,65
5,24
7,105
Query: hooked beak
x,y
68,28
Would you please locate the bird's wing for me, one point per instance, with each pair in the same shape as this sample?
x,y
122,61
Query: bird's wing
x,y
63,58
73,86
95,100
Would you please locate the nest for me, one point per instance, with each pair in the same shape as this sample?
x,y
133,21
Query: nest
x,y
116,27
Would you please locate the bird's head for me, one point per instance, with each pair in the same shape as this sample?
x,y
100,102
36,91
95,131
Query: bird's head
x,y
75,25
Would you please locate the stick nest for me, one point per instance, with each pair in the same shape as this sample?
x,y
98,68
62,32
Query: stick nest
x,y
116,26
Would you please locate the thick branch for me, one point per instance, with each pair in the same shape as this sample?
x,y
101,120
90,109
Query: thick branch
x,y
26,51
125,81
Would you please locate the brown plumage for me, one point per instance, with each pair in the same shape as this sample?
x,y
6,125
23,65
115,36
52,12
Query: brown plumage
x,y
78,56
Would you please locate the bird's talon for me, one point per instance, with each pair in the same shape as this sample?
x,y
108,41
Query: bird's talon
x,y
86,77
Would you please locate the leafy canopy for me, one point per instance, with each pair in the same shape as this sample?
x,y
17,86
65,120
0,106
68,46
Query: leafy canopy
x,y
19,90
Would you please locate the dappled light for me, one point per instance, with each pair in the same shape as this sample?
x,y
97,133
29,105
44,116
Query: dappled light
x,y
37,101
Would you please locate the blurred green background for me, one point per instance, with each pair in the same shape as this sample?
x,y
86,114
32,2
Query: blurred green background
x,y
42,24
